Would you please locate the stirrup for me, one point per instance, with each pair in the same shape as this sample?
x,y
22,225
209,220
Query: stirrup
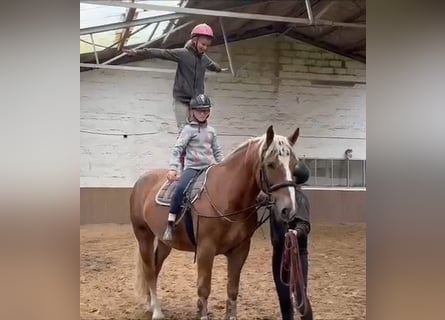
x,y
168,233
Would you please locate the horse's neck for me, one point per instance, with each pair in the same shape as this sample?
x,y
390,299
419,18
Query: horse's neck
x,y
242,168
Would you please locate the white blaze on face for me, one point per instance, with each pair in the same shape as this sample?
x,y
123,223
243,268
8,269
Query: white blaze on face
x,y
284,158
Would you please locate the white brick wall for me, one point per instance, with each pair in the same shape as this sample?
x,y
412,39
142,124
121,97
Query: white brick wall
x,y
272,86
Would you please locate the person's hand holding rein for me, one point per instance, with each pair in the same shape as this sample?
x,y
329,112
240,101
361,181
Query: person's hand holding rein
x,y
172,175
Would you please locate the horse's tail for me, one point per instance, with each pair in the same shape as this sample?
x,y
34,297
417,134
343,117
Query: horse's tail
x,y
146,242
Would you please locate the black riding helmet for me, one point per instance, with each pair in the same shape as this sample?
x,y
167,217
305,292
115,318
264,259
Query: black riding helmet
x,y
201,101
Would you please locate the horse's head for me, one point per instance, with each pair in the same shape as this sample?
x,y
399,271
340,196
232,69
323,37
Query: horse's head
x,y
280,172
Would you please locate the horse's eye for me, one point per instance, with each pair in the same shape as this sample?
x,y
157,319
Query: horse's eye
x,y
271,165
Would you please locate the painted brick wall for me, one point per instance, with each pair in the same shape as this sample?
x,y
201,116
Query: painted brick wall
x,y
273,85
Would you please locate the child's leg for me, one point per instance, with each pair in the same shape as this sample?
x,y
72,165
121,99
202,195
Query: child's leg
x,y
177,199
176,203
182,114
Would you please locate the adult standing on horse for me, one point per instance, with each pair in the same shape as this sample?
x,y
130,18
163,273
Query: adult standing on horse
x,y
192,65
202,149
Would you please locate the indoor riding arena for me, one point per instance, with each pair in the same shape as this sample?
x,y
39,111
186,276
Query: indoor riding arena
x,y
290,64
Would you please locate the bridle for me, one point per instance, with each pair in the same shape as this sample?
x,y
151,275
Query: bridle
x,y
267,188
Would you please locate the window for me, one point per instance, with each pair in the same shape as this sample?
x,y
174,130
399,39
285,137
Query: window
x,y
339,173
324,173
311,165
336,173
357,173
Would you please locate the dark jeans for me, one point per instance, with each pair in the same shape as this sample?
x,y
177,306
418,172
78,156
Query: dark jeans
x,y
187,175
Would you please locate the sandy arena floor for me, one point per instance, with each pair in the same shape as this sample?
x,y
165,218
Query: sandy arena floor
x,y
337,281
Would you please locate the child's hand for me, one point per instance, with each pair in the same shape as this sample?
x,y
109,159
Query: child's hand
x,y
130,52
172,175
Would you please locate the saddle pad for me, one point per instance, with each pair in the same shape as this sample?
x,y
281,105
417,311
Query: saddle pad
x,y
165,193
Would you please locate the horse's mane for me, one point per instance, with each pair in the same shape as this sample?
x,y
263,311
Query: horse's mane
x,y
279,144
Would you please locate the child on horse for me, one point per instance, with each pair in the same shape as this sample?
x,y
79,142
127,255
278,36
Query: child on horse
x,y
192,64
202,149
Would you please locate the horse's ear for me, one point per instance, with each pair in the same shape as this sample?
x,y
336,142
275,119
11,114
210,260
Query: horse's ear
x,y
293,138
269,137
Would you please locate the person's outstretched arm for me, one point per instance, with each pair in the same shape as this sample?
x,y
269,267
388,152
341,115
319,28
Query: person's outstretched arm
x,y
165,54
212,65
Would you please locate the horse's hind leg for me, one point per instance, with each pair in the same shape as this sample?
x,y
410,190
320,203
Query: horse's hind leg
x,y
161,253
235,262
146,269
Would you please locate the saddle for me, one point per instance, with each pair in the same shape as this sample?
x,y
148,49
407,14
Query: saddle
x,y
191,193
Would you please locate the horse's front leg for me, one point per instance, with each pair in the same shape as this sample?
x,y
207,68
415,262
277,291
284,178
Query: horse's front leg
x,y
235,262
204,256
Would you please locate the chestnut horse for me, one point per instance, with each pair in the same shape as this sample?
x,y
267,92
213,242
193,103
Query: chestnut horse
x,y
225,213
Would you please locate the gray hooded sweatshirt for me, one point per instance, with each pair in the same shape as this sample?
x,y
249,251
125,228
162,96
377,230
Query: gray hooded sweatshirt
x,y
189,79
200,144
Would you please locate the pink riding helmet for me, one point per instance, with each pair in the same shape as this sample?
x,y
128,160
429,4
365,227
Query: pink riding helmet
x,y
202,30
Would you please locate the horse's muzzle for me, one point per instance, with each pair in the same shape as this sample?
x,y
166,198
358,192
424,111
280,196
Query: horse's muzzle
x,y
286,214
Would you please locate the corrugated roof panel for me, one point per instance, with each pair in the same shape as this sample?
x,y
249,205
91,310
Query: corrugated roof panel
x,y
96,15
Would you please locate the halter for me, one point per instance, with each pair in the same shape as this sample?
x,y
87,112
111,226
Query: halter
x,y
264,181
268,189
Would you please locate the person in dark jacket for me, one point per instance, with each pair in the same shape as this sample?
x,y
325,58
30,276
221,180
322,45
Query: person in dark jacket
x,y
302,226
192,65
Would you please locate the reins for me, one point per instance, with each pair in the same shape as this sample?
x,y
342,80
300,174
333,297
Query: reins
x,y
291,262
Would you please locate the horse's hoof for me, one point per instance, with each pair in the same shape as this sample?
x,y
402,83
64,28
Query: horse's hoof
x,y
157,315
204,318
